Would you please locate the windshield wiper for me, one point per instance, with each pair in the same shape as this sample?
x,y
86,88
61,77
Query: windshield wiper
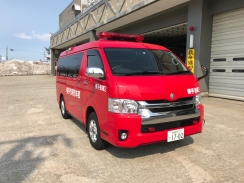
x,y
179,72
142,73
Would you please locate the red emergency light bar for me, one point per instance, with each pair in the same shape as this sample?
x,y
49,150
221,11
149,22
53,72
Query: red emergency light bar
x,y
118,36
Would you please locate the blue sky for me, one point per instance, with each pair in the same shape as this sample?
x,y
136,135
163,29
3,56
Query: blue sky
x,y
25,26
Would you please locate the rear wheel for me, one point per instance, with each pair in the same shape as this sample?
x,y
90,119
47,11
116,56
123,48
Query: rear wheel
x,y
94,133
64,112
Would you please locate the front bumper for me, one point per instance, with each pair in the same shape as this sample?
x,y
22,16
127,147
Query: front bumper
x,y
133,125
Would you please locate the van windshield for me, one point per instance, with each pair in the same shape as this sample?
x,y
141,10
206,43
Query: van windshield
x,y
135,61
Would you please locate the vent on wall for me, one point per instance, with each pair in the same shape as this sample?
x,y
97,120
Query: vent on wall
x,y
238,59
238,70
218,70
76,9
219,59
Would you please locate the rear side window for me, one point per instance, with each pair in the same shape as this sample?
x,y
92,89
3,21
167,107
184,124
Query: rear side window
x,y
70,66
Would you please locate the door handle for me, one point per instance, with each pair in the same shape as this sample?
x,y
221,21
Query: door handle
x,y
85,82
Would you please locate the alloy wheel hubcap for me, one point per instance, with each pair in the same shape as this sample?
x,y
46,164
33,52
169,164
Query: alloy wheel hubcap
x,y
62,107
93,130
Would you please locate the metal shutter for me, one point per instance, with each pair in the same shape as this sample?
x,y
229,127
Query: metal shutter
x,y
227,56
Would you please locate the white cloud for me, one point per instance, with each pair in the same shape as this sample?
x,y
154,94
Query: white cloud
x,y
22,36
43,37
33,35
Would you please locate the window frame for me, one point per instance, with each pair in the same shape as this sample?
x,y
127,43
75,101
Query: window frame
x,y
94,52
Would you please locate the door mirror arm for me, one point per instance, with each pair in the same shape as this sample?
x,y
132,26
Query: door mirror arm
x,y
205,70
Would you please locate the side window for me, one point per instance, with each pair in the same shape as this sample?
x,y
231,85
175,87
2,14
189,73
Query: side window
x,y
77,63
61,67
94,59
70,66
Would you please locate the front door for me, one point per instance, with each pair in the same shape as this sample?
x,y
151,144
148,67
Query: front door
x,y
95,90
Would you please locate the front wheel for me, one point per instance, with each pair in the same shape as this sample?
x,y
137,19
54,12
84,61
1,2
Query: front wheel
x,y
94,133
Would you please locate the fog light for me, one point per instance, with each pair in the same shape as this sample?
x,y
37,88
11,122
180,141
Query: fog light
x,y
123,135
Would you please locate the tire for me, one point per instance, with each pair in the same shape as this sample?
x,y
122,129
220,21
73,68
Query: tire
x,y
63,110
94,133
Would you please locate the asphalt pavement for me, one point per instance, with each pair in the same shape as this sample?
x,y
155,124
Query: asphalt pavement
x,y
38,145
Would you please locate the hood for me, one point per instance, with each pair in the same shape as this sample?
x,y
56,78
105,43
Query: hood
x,y
157,87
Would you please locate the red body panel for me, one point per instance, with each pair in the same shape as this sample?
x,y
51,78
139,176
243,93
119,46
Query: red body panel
x,y
138,88
155,87
132,123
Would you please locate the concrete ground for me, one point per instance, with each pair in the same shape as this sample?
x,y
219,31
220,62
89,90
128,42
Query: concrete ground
x,y
38,145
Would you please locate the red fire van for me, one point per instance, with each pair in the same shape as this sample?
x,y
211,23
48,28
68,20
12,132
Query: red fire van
x,y
128,93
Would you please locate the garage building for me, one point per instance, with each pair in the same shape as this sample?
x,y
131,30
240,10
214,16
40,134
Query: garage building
x,y
213,28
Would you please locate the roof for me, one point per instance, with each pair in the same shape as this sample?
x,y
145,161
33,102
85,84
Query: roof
x,y
112,44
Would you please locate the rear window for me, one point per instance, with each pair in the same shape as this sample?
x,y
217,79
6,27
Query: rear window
x,y
126,61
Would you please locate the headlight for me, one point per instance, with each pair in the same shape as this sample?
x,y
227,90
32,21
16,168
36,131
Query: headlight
x,y
122,106
198,99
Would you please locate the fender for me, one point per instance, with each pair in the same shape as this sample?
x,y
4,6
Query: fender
x,y
90,103
58,95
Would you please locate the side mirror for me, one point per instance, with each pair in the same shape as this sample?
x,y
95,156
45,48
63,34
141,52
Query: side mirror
x,y
205,70
94,72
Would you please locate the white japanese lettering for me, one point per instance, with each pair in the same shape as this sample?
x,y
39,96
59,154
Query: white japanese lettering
x,y
100,87
193,90
72,92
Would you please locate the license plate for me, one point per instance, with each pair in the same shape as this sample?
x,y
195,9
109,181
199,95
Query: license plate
x,y
174,135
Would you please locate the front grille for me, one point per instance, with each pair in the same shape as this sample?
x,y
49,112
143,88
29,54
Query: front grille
x,y
169,125
177,108
166,101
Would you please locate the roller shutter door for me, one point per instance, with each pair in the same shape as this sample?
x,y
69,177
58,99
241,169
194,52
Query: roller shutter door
x,y
227,56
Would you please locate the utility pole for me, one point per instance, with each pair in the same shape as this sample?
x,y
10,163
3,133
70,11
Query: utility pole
x,y
44,56
6,53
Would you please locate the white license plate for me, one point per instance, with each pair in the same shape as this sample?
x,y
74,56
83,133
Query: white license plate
x,y
174,135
